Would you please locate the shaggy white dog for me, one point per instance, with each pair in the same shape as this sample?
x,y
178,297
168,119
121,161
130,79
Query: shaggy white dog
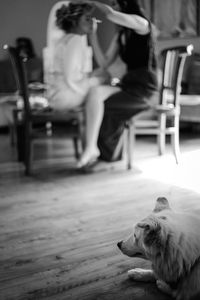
x,y
171,241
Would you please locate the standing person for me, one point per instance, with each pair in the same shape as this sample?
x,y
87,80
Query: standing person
x,y
72,78
135,45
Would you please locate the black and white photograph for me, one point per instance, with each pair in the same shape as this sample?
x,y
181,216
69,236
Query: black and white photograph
x,y
100,150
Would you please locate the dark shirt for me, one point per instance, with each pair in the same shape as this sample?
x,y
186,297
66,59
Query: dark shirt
x,y
136,50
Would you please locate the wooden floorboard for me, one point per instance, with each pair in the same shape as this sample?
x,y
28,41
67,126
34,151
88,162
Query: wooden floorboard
x,y
59,229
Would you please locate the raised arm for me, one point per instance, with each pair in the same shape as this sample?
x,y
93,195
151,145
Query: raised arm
x,y
104,59
135,22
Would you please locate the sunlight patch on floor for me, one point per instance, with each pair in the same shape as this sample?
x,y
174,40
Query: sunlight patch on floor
x,y
164,169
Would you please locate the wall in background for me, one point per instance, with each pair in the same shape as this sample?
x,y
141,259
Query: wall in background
x,y
24,18
29,18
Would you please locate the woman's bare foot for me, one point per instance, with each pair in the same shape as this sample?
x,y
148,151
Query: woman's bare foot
x,y
88,157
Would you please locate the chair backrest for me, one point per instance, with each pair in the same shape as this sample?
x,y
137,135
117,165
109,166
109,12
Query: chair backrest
x,y
20,74
173,65
53,35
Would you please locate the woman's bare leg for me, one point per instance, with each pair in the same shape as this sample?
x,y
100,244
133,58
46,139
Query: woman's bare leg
x,y
94,115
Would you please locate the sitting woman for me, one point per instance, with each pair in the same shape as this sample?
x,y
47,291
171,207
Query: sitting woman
x,y
134,43
71,78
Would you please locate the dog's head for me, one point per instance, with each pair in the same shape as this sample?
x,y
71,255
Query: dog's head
x,y
148,236
169,240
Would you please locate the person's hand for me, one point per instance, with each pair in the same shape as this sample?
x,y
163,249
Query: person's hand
x,y
93,32
103,75
94,26
104,8
98,72
100,76
95,23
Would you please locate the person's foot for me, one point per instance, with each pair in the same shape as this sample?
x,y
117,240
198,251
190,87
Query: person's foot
x,y
88,159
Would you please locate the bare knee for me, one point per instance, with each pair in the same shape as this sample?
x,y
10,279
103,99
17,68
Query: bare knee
x,y
95,94
101,93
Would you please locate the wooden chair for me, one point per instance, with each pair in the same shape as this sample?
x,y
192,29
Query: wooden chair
x,y
31,122
166,113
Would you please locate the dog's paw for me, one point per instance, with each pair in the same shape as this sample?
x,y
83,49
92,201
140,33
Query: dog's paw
x,y
164,287
138,274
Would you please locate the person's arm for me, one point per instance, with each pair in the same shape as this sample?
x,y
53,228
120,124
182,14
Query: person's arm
x,y
135,22
104,59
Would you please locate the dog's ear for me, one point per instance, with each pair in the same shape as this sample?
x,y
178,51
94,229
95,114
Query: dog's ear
x,y
144,225
150,225
161,204
151,230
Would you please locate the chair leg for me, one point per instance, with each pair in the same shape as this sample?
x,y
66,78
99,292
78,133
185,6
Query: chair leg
x,y
175,140
12,135
76,148
162,136
120,147
126,144
27,161
130,142
28,150
20,133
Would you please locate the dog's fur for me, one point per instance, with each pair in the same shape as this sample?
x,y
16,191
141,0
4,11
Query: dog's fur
x,y
171,241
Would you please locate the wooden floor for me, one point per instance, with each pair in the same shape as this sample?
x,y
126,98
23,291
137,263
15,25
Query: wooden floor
x,y
59,229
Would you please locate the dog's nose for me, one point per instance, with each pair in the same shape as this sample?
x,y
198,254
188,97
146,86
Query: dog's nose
x,y
119,245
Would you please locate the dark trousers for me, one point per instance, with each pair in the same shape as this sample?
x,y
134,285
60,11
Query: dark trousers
x,y
119,108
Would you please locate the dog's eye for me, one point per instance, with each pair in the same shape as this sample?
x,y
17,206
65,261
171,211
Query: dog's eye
x,y
135,238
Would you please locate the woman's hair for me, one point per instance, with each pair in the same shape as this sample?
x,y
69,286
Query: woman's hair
x,y
131,7
67,16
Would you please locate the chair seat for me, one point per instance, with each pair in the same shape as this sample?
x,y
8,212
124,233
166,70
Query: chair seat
x,y
51,116
167,109
48,114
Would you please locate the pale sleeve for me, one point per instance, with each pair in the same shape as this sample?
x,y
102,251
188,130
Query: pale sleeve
x,y
74,66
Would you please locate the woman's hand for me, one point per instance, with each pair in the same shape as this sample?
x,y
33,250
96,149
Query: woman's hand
x,y
101,75
92,36
95,23
100,72
104,8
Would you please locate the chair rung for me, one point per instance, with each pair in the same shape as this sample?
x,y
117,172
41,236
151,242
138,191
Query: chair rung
x,y
146,123
150,131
